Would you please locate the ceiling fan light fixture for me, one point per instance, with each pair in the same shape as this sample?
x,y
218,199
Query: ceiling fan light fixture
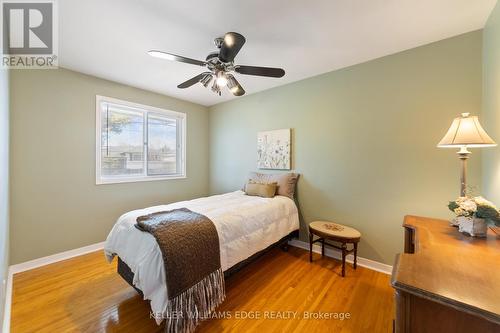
x,y
232,84
216,88
221,79
205,81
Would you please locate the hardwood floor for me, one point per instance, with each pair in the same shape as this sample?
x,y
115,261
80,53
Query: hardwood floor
x,y
85,294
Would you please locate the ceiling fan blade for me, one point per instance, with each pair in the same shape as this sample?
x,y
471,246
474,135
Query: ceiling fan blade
x,y
192,81
174,57
234,86
260,71
231,45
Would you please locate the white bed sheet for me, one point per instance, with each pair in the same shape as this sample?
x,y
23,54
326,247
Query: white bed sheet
x,y
245,225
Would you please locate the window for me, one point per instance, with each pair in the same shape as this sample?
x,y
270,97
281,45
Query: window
x,y
138,143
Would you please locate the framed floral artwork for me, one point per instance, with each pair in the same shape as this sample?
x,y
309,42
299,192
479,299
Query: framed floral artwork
x,y
273,149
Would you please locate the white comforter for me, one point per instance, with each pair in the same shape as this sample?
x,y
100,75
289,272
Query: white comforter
x,y
245,225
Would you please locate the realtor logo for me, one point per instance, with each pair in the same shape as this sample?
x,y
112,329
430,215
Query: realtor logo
x,y
29,34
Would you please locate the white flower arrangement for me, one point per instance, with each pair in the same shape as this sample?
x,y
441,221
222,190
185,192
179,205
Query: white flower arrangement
x,y
477,207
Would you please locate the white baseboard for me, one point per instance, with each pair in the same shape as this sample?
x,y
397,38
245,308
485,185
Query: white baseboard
x,y
26,266
336,254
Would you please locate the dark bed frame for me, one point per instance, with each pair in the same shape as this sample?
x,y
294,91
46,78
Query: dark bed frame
x,y
127,274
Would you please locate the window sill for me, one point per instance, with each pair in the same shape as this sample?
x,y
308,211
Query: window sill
x,y
137,179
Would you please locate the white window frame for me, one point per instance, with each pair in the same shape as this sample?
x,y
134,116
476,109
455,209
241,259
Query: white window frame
x,y
181,142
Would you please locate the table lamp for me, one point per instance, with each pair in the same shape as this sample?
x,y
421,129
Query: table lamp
x,y
465,132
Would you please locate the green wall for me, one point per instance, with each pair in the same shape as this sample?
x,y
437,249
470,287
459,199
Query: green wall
x,y
364,139
4,186
364,142
491,105
55,204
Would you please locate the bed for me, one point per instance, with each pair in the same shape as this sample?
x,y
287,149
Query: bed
x,y
246,226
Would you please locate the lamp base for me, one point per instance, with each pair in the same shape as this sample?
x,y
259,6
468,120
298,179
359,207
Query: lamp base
x,y
463,155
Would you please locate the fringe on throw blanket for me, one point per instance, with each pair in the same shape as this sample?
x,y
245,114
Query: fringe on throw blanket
x,y
189,308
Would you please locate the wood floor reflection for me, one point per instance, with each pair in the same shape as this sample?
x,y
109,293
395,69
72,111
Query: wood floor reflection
x,y
275,294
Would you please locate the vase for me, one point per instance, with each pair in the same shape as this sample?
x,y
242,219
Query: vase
x,y
474,226
454,222
496,230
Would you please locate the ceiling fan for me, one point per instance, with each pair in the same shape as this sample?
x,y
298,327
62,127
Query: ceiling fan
x,y
220,65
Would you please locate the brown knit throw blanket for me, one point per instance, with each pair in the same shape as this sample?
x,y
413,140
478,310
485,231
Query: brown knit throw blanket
x,y
195,281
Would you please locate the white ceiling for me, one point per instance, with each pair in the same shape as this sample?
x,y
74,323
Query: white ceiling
x,y
109,38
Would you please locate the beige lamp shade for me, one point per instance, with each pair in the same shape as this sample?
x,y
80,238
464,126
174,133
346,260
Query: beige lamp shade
x,y
466,131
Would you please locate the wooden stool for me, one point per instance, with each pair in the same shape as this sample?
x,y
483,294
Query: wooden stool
x,y
337,233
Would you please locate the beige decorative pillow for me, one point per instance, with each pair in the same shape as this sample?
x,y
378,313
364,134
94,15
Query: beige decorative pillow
x,y
261,190
286,181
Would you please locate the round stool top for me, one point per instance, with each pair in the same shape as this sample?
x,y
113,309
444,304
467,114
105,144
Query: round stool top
x,y
334,229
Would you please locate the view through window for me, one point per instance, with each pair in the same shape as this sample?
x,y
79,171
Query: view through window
x,y
138,142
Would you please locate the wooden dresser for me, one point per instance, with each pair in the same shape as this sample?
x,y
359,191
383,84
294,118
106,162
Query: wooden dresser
x,y
446,281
